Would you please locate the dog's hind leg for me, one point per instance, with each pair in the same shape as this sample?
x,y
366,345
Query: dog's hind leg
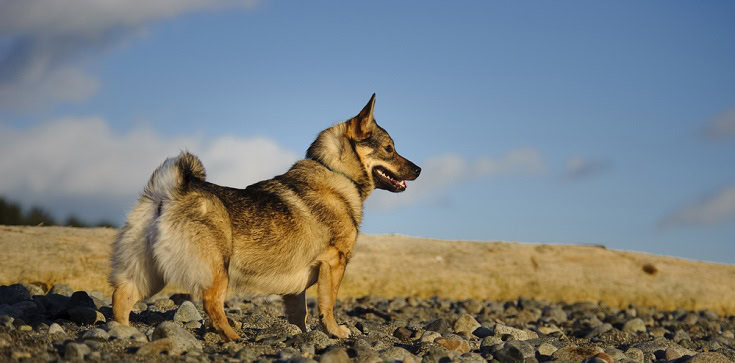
x,y
134,275
296,309
214,305
123,299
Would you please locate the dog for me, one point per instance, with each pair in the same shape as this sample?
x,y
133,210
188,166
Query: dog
x,y
278,236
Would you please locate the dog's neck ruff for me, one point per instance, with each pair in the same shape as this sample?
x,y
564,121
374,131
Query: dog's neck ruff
x,y
357,185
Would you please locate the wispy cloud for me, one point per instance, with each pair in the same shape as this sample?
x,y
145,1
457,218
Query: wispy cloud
x,y
708,210
80,163
442,172
721,127
43,44
580,168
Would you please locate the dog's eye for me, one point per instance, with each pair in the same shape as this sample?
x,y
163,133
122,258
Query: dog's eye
x,y
389,149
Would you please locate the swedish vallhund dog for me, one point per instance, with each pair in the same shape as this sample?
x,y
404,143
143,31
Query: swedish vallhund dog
x,y
278,236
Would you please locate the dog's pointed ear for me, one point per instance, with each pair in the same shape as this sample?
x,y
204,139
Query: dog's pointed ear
x,y
361,126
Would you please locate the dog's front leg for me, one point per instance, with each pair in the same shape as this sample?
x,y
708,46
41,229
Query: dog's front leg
x,y
330,276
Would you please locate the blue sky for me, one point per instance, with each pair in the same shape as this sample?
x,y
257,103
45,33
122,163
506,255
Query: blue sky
x,y
561,122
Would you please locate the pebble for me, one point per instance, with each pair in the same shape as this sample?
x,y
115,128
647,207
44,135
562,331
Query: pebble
x,y
546,349
76,351
13,294
140,306
429,336
515,351
635,326
396,329
61,289
119,331
576,353
85,315
455,344
55,329
187,312
516,334
465,325
439,325
96,334
709,357
178,339
398,354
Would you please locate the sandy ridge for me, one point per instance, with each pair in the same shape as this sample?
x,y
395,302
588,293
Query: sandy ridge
x,y
389,265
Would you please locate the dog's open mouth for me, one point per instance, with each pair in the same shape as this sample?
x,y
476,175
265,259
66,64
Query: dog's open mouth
x,y
384,179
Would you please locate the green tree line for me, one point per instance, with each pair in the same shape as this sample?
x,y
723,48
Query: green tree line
x,y
11,213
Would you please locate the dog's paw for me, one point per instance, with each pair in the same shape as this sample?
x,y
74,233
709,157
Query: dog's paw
x,y
342,332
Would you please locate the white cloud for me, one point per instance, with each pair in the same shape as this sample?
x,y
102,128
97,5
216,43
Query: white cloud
x,y
712,209
441,172
80,162
45,42
722,127
578,168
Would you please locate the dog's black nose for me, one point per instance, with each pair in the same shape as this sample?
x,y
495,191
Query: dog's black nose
x,y
417,170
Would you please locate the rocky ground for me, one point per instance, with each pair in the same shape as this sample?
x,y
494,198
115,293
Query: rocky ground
x,y
63,325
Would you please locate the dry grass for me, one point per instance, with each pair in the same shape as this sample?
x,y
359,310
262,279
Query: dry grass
x,y
403,266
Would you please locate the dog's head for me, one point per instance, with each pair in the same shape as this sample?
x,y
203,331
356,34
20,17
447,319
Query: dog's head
x,y
377,152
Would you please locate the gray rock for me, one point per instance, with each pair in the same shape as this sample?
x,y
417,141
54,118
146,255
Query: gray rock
x,y
517,334
61,289
439,325
119,331
337,355
193,325
187,312
55,329
6,321
247,355
139,337
573,353
13,294
53,304
140,306
7,310
689,319
81,299
85,315
33,289
515,351
28,308
708,357
403,333
397,354
555,314
604,328
96,334
635,354
465,325
635,326
482,332
317,338
546,349
680,335
675,351
180,339
76,351
429,336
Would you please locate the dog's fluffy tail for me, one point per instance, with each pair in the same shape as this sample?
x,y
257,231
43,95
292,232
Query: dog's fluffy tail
x,y
134,268
172,178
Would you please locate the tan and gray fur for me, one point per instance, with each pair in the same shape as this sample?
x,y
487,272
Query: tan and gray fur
x,y
278,236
